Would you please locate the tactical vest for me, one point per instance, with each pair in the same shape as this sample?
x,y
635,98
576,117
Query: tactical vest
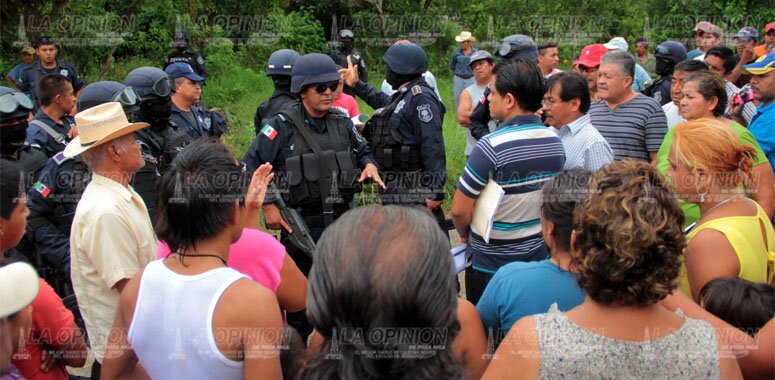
x,y
324,180
271,107
28,163
386,143
64,206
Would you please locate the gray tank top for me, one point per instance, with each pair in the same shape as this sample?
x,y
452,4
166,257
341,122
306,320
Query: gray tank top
x,y
570,351
476,91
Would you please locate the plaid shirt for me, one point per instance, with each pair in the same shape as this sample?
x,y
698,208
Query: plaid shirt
x,y
584,146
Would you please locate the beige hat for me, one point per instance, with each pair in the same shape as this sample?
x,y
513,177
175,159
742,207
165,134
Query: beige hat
x,y
98,125
18,286
28,50
465,36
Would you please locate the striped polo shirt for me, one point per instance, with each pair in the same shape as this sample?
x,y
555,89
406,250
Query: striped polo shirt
x,y
633,129
521,155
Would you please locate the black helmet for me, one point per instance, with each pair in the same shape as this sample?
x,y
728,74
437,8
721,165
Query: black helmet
x,y
346,33
150,83
406,58
673,51
181,35
516,46
281,62
109,91
14,104
311,69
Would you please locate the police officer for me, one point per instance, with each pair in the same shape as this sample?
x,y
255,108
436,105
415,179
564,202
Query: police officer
x,y
183,53
187,113
515,46
344,50
278,67
405,132
15,107
315,151
160,142
667,55
47,64
55,195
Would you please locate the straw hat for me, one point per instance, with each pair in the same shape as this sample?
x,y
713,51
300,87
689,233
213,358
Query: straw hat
x,y
465,36
98,125
19,286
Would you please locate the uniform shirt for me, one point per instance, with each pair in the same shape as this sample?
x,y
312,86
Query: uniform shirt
x,y
29,78
196,122
17,70
459,64
520,156
192,58
763,128
633,129
584,146
60,184
522,289
40,139
111,239
418,119
660,90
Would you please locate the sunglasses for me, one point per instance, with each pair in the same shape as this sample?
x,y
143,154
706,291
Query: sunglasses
x,y
161,88
322,87
12,101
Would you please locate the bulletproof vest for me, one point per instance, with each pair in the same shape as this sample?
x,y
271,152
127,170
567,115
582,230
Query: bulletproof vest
x,y
271,107
76,181
29,162
309,174
386,143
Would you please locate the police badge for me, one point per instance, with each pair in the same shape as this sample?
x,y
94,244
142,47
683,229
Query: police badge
x,y
64,72
424,113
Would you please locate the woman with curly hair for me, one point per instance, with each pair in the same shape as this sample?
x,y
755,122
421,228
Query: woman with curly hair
x,y
734,236
626,250
385,306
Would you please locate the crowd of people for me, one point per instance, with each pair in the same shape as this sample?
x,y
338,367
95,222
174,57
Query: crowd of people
x,y
633,235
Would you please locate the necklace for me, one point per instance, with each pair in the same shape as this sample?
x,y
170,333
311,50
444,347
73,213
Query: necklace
x,y
201,255
737,196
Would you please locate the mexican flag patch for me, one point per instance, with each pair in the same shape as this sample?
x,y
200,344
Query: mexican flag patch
x,y
269,132
42,189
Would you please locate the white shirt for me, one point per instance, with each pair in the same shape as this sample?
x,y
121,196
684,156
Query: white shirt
x,y
673,117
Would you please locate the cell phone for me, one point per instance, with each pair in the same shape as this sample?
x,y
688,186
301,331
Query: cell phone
x,y
744,96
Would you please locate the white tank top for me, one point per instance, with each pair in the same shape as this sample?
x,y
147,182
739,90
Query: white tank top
x,y
172,326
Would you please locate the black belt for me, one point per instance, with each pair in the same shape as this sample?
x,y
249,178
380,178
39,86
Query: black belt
x,y
465,76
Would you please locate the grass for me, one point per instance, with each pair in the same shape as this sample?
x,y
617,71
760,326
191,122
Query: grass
x,y
240,90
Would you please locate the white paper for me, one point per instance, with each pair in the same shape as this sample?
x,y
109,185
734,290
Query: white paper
x,y
485,208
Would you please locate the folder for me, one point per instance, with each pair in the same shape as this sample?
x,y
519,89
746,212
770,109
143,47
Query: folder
x,y
485,208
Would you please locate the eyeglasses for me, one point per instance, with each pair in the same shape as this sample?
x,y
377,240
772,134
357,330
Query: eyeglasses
x,y
551,102
161,88
11,101
322,87
127,97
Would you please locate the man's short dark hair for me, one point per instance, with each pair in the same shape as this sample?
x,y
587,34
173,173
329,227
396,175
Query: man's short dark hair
x,y
523,80
644,41
546,45
572,86
44,40
50,86
10,185
201,186
726,54
690,66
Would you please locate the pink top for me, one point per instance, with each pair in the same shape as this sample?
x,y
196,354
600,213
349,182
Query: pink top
x,y
347,104
256,254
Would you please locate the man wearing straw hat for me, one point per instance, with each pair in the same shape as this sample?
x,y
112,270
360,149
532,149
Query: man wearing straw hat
x,y
464,76
111,237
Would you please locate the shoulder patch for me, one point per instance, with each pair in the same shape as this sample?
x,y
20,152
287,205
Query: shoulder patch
x,y
59,158
269,132
424,113
416,90
41,188
200,60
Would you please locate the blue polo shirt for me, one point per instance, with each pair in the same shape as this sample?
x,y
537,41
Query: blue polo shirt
x,y
762,127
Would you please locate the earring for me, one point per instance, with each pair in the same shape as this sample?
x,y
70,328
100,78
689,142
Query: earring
x,y
702,195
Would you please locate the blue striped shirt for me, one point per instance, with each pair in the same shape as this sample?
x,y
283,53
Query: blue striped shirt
x,y
521,155
584,146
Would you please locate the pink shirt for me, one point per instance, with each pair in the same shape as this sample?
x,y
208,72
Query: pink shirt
x,y
347,104
256,254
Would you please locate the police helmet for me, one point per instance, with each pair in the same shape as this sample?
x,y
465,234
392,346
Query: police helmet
x,y
150,83
181,36
311,69
14,104
109,91
346,33
516,46
672,51
406,58
281,62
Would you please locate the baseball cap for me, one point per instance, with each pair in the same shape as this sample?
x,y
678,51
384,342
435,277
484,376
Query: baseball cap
x,y
763,65
704,26
768,27
617,43
181,69
747,33
28,50
478,56
591,55
19,286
